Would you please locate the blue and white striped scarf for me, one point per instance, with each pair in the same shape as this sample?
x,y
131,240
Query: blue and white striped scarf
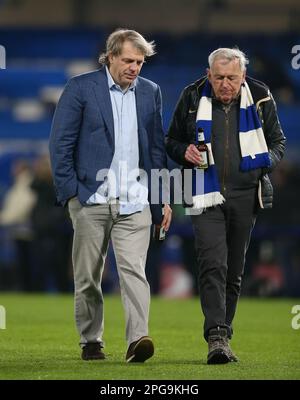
x,y
254,150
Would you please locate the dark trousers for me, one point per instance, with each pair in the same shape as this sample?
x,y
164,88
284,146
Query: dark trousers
x,y
222,236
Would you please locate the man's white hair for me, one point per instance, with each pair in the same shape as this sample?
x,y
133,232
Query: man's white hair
x,y
225,53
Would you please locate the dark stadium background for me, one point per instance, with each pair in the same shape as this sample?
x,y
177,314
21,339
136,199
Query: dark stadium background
x,y
48,42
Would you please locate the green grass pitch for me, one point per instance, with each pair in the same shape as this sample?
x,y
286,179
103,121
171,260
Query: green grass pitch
x,y
40,341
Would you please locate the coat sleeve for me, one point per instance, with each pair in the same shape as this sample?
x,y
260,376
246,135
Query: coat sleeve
x,y
177,139
63,139
273,133
159,188
158,151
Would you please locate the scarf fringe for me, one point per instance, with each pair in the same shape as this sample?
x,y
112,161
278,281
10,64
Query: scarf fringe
x,y
208,200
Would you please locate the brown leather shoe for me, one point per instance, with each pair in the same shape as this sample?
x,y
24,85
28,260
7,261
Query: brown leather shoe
x,y
92,351
140,350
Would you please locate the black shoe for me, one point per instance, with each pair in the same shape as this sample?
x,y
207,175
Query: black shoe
x,y
92,351
140,350
217,346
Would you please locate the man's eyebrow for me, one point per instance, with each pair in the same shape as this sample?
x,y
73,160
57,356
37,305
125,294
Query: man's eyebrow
x,y
228,76
132,59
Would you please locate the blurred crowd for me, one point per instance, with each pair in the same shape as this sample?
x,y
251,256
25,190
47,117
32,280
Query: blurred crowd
x,y
274,257
36,234
36,241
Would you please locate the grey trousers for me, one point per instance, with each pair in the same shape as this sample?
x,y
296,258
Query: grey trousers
x,y
94,226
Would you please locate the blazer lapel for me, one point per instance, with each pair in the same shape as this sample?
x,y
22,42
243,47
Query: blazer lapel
x,y
141,99
104,102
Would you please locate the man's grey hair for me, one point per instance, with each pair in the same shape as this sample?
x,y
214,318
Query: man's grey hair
x,y
224,53
115,41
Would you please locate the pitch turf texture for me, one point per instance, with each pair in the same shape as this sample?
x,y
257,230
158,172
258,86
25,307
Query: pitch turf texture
x,y
40,341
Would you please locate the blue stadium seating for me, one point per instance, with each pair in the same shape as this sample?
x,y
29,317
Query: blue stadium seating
x,y
40,58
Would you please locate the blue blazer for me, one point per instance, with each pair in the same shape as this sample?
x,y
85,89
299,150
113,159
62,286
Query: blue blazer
x,y
82,135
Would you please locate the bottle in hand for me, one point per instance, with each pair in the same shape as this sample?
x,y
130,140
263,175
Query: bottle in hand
x,y
203,149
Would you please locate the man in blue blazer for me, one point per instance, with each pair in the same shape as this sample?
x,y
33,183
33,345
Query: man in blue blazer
x,y
106,139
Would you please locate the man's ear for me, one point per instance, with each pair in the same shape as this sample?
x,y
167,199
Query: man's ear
x,y
244,76
110,58
208,74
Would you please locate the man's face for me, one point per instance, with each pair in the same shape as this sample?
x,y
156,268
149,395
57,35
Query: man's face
x,y
125,67
226,79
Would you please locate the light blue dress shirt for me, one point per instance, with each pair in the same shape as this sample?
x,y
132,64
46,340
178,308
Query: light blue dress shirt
x,y
124,179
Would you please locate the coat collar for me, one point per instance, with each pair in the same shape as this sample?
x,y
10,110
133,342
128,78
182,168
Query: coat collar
x,y
101,91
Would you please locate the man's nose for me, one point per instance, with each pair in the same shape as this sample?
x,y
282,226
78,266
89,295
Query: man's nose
x,y
133,66
225,82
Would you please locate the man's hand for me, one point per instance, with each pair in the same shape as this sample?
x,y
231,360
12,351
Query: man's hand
x,y
167,217
192,155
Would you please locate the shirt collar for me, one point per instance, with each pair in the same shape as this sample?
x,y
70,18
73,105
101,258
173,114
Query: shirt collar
x,y
113,85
